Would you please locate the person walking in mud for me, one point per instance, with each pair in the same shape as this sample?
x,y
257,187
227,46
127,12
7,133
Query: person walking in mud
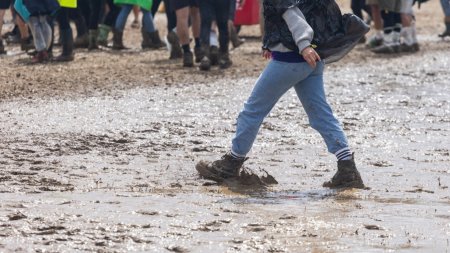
x,y
294,63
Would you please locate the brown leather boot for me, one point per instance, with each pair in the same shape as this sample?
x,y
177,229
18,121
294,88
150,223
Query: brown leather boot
x,y
225,168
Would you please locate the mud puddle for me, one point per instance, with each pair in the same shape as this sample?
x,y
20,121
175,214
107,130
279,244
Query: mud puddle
x,y
102,158
106,172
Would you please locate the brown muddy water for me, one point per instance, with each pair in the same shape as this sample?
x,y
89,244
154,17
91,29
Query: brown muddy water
x,y
112,169
116,173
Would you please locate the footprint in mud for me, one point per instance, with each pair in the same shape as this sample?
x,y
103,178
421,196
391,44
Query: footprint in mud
x,y
16,216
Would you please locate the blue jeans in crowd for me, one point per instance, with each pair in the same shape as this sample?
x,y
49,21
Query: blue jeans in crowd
x,y
276,79
147,19
446,7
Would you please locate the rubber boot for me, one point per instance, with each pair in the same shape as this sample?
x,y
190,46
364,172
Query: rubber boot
x,y
67,46
224,60
82,41
235,40
391,44
188,59
93,34
118,40
205,62
156,40
214,55
2,48
447,28
26,44
151,40
103,33
175,48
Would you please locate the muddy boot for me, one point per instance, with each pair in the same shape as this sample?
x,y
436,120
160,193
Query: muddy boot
x,y
82,41
146,41
93,34
175,48
2,48
151,40
375,40
103,33
40,57
67,47
347,176
205,62
156,40
407,45
225,168
447,30
235,40
118,40
198,53
26,44
391,44
225,61
188,59
214,55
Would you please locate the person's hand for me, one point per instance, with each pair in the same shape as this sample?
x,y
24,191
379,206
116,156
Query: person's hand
x,y
266,54
311,56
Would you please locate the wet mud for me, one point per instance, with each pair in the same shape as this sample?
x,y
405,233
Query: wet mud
x,y
99,155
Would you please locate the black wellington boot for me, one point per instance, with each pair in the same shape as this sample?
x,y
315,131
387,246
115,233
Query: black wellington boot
x,y
67,46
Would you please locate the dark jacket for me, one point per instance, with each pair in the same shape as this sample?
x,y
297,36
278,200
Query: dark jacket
x,y
334,34
41,7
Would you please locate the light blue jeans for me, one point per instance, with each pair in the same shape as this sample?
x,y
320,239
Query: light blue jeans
x,y
42,32
147,19
276,79
446,7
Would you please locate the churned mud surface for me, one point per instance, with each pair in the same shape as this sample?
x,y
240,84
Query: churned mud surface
x,y
99,154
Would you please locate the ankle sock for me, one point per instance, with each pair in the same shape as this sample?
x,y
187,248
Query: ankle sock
x,y
344,154
186,48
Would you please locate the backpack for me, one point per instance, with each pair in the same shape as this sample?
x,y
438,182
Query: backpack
x,y
334,34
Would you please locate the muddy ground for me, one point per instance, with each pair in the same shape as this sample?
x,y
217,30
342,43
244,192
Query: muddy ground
x,y
98,154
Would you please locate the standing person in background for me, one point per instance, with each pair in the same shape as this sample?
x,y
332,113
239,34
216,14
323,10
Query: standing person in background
x,y
150,36
234,38
399,27
183,10
446,8
408,33
95,10
172,37
377,38
136,11
218,10
81,15
39,12
357,7
66,33
110,19
4,5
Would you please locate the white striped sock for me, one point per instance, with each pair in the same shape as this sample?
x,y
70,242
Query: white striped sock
x,y
344,154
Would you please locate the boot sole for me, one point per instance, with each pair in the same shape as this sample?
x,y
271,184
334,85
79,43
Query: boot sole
x,y
352,184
